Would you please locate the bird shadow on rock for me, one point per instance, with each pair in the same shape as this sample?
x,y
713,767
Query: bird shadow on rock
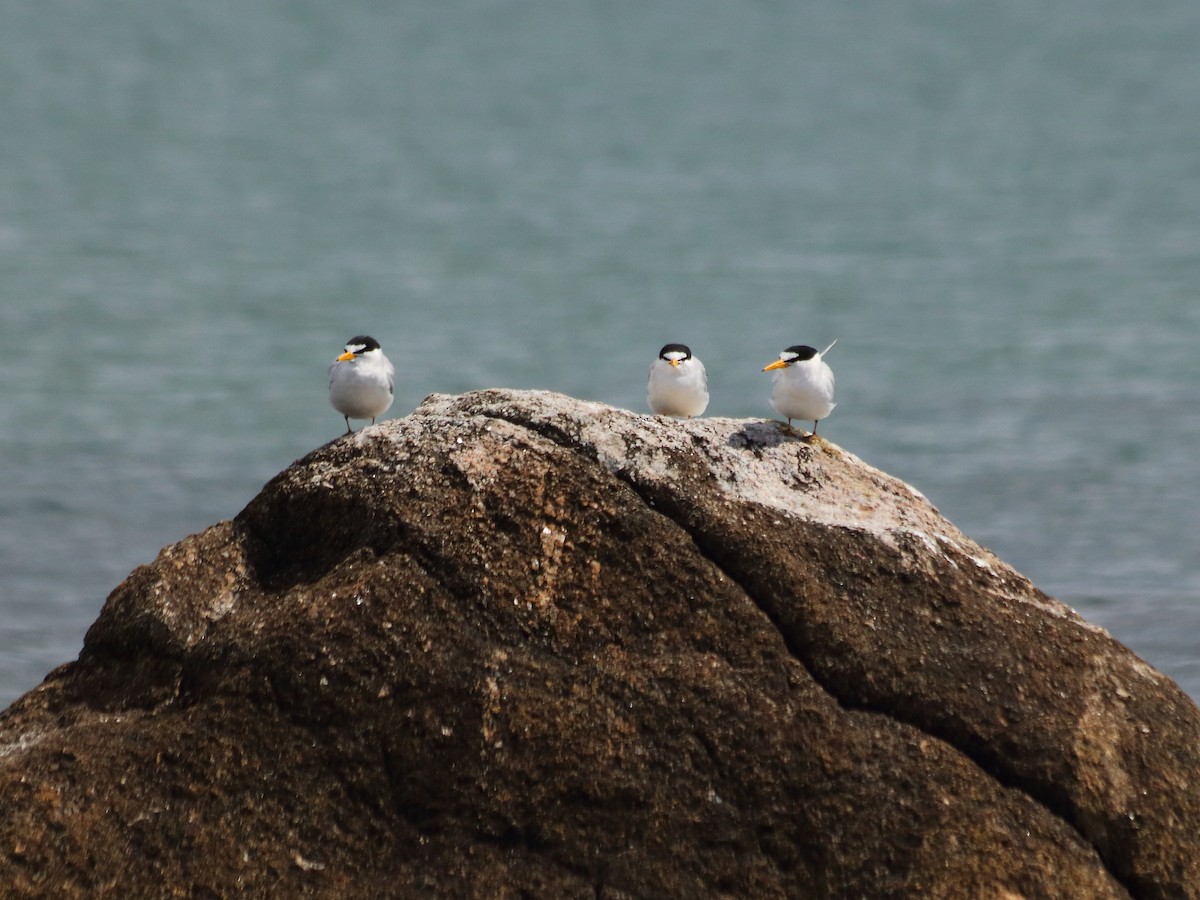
x,y
762,435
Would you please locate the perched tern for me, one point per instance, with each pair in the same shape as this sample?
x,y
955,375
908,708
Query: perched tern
x,y
360,381
803,385
678,385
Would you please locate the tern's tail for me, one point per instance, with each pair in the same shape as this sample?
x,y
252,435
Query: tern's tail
x,y
830,347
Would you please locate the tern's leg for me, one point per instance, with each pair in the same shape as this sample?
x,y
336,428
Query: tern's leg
x,y
349,430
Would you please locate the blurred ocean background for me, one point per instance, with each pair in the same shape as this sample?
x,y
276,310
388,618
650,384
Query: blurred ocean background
x,y
994,207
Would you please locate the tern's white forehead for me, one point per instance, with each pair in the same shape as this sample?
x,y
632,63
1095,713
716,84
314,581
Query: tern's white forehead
x,y
675,354
355,348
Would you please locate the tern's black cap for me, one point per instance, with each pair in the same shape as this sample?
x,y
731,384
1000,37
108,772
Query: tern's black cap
x,y
675,348
802,352
362,343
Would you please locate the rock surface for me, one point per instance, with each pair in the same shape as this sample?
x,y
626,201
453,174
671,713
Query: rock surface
x,y
517,644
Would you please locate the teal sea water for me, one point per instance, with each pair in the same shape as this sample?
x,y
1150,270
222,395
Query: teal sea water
x,y
995,209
